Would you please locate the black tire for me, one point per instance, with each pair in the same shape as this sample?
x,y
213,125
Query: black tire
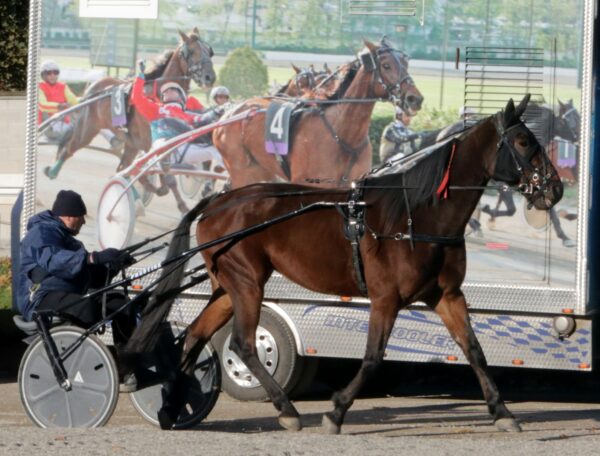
x,y
286,370
202,396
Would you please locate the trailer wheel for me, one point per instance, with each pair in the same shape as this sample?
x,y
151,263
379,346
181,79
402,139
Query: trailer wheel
x,y
276,351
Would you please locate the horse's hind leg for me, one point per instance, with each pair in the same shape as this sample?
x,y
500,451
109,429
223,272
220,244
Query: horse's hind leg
x,y
217,312
381,321
453,311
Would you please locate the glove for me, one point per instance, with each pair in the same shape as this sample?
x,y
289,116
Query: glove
x,y
112,258
219,110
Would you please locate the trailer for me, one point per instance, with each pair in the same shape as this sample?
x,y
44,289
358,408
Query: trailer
x,y
533,296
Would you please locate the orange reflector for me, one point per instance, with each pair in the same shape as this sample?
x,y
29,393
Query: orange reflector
x,y
137,286
568,311
311,351
584,366
452,358
345,298
518,362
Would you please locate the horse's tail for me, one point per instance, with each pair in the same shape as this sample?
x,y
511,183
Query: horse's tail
x,y
159,303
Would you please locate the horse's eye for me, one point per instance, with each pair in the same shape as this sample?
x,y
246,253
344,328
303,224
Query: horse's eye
x,y
386,66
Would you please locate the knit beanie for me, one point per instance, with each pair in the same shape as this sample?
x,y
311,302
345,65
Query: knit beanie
x,y
69,203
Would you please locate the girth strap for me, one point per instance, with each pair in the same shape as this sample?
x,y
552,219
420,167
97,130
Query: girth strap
x,y
354,229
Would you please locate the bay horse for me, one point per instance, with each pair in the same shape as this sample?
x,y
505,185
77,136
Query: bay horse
x,y
399,267
306,80
547,124
329,144
190,60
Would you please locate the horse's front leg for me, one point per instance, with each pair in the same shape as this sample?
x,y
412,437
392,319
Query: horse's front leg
x,y
243,344
452,308
217,312
381,321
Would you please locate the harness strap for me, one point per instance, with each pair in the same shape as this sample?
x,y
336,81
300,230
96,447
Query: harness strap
x,y
354,229
352,151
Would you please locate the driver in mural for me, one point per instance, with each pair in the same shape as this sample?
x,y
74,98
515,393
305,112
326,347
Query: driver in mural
x,y
55,96
398,139
171,117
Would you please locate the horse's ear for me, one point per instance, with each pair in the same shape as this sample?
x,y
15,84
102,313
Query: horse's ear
x,y
509,112
326,68
296,69
184,37
522,106
312,67
560,103
196,31
372,47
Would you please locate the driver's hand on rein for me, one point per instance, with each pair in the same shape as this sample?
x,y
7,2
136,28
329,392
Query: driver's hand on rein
x,y
114,259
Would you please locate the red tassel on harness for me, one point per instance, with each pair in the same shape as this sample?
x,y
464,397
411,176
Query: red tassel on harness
x,y
442,190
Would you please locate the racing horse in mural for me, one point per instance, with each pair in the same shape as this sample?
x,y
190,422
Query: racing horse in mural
x,y
306,80
413,250
329,143
190,60
547,124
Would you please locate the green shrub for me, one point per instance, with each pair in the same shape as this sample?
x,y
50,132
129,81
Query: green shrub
x,y
5,284
13,45
378,123
244,73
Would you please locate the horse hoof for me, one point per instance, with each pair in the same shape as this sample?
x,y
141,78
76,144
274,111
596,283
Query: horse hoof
x,y
162,191
48,172
291,423
508,425
164,420
329,425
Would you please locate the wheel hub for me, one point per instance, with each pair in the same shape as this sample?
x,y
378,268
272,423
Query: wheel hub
x,y
268,355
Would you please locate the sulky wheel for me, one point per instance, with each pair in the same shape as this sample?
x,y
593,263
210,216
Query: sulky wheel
x,y
202,396
92,372
116,214
190,185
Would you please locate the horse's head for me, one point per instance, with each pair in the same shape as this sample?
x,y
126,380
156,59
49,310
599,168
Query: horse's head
x,y
569,121
196,55
391,74
304,79
522,161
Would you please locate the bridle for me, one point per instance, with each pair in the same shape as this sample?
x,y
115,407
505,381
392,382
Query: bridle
x,y
511,165
570,123
195,69
309,75
371,63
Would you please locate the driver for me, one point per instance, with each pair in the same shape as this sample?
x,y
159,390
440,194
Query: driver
x,y
56,271
398,139
169,118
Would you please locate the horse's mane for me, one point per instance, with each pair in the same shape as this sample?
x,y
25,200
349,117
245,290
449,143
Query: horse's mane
x,y
283,88
350,73
159,66
422,181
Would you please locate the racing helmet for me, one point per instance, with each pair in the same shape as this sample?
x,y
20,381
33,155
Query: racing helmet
x,y
219,90
173,85
49,65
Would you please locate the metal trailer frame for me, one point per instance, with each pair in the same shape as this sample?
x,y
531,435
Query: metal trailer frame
x,y
557,334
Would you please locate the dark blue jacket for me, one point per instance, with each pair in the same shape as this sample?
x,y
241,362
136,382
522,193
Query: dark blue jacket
x,y
52,246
